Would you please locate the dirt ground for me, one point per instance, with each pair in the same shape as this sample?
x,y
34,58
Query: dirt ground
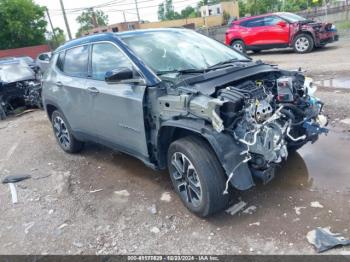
x,y
105,202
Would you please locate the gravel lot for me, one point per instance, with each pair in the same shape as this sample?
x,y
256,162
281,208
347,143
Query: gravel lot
x,y
105,202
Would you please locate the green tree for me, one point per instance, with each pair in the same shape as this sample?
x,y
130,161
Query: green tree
x,y
60,38
161,12
166,12
22,23
90,19
189,12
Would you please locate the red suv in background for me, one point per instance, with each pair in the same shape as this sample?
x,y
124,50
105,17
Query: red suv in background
x,y
279,30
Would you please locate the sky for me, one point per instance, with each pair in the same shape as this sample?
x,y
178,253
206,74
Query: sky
x,y
147,9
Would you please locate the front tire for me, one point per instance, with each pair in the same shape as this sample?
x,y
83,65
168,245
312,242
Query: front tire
x,y
197,176
303,43
64,134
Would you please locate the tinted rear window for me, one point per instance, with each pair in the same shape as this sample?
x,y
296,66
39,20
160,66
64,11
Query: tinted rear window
x,y
76,61
254,22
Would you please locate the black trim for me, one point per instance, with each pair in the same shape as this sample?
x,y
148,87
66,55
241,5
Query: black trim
x,y
266,47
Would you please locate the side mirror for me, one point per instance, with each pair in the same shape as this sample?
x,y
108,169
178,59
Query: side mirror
x,y
119,74
282,24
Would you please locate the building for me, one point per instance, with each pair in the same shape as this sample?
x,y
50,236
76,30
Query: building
x,y
211,16
119,27
230,7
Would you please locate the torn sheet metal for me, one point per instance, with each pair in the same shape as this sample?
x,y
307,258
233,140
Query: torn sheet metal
x,y
323,239
236,208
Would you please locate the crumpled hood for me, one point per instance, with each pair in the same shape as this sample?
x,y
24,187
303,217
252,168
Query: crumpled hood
x,y
15,71
208,83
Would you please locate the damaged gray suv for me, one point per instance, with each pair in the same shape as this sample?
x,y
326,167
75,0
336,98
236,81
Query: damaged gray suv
x,y
180,101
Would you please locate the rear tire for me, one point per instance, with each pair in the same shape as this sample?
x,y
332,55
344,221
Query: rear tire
x,y
303,43
64,134
197,176
239,46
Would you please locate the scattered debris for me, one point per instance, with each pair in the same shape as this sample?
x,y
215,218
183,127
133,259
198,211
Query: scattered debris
x,y
50,211
124,193
26,112
63,226
166,197
345,121
28,226
41,177
11,180
95,191
323,239
13,193
316,204
155,230
254,224
297,210
77,244
236,208
250,210
15,179
153,209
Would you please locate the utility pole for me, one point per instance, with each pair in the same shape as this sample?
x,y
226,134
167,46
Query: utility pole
x,y
137,11
53,31
124,16
65,20
94,19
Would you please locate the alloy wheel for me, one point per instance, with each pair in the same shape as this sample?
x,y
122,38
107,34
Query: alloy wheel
x,y
302,44
186,179
61,132
238,47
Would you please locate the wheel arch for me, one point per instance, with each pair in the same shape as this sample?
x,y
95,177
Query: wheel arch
x,y
236,39
226,149
304,32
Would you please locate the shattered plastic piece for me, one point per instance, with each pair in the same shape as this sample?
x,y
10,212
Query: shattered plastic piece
x,y
13,193
95,191
155,230
297,210
28,226
122,193
254,224
15,179
153,209
236,208
250,210
165,197
316,204
63,225
323,239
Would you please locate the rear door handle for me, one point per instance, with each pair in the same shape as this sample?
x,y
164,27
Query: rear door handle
x,y
93,90
59,84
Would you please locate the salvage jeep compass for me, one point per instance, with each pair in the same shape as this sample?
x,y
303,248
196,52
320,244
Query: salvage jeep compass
x,y
180,101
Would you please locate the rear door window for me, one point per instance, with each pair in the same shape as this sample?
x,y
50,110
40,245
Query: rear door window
x,y
255,22
106,57
76,61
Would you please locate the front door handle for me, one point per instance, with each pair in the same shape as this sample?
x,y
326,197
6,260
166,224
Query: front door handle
x,y
93,90
59,84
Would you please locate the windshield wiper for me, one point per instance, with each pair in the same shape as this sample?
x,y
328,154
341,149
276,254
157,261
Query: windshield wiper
x,y
228,62
182,71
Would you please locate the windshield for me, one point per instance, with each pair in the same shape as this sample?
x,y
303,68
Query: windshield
x,y
292,18
179,50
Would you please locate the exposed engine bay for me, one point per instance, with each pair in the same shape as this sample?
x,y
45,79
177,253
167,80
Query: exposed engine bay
x,y
268,115
18,88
